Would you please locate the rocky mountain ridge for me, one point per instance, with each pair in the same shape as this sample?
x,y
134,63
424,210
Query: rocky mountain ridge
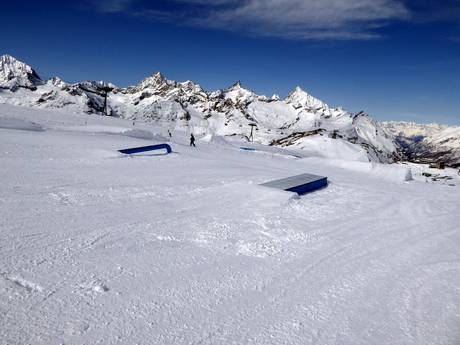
x,y
297,121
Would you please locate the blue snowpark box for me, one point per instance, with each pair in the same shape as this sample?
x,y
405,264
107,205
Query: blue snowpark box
x,y
146,148
300,184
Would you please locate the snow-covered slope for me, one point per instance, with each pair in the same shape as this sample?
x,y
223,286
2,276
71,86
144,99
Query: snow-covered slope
x,y
187,248
427,143
15,74
226,112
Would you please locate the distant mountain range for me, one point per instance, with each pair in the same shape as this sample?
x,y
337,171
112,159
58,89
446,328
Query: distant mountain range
x,y
426,143
289,122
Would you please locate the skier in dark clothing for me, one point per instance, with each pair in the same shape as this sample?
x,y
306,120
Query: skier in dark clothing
x,y
169,133
192,140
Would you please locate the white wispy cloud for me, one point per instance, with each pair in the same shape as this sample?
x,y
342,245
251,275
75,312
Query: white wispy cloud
x,y
292,19
306,19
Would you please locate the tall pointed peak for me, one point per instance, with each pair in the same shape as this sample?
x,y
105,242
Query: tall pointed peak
x,y
298,91
237,93
158,75
15,73
300,97
155,79
236,86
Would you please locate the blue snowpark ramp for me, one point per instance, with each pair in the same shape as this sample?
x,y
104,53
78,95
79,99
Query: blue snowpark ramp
x,y
300,184
147,148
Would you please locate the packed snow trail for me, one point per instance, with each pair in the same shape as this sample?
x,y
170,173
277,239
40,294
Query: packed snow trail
x,y
97,248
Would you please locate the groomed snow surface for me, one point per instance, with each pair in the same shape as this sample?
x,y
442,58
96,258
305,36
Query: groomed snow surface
x,y
186,248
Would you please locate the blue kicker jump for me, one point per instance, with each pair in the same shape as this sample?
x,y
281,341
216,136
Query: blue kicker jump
x,y
300,184
147,148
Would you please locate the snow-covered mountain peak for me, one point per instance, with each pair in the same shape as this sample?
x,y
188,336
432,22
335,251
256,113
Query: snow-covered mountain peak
x,y
8,61
298,89
297,93
15,73
187,84
156,78
190,86
300,98
235,86
56,81
238,94
156,81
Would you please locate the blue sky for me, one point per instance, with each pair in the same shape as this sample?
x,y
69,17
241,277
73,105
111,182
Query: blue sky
x,y
395,59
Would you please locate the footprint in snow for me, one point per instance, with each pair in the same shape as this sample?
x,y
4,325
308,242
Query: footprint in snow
x,y
101,288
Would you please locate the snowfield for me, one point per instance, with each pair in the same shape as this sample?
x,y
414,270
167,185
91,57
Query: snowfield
x,y
187,248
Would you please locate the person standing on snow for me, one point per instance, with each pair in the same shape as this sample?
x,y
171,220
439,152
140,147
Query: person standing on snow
x,y
192,140
170,135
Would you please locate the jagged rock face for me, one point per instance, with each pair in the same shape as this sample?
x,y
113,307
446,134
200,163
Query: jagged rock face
x,y
15,74
224,112
426,143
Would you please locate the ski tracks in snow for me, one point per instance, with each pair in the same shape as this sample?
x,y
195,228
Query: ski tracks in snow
x,y
188,249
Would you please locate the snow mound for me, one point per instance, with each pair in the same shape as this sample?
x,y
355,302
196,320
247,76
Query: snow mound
x,y
320,146
388,172
138,133
207,138
128,132
392,172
